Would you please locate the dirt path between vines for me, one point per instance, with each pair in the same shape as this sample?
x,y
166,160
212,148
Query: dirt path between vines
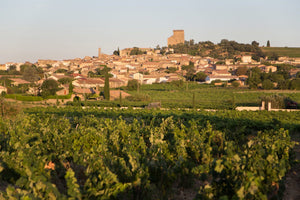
x,y
292,183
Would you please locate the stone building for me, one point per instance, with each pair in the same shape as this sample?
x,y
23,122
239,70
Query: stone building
x,y
176,38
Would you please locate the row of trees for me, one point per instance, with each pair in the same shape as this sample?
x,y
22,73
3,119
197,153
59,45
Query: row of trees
x,y
256,78
279,79
29,72
224,49
100,72
191,74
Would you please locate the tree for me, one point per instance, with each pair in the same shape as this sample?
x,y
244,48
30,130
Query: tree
x,y
187,67
120,98
71,87
100,72
241,71
254,77
254,43
49,66
190,75
200,76
275,77
12,68
171,70
49,87
190,71
268,43
117,52
61,71
132,84
31,74
295,84
283,84
65,80
256,57
235,84
273,56
106,84
136,51
284,70
267,84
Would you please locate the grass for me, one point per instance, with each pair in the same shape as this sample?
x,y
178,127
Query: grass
x,y
283,51
21,97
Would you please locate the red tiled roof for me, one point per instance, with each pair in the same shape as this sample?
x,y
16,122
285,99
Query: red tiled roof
x,y
83,90
91,81
19,81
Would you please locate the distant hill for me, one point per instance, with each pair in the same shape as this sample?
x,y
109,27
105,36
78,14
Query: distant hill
x,y
223,50
282,51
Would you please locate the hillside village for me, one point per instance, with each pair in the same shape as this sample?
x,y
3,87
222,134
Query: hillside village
x,y
146,65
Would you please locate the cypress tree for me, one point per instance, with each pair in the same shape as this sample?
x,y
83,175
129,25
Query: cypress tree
x,y
106,84
120,98
268,43
71,87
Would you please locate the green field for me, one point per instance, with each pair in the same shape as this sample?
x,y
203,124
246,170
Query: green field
x,y
207,96
283,51
193,95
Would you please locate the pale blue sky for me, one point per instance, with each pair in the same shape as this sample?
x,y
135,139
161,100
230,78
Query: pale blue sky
x,y
64,29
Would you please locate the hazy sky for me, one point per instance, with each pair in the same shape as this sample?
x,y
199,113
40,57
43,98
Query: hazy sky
x,y
64,29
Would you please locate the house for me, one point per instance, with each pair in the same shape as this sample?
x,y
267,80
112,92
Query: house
x,y
211,78
64,90
267,69
2,67
89,83
270,68
115,83
77,90
246,59
137,76
150,66
115,94
172,77
221,72
82,92
149,79
162,79
167,65
18,81
293,72
8,64
221,67
296,61
58,76
229,61
125,52
3,89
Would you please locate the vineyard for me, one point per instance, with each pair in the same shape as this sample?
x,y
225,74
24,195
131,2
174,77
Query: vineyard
x,y
192,95
75,153
283,51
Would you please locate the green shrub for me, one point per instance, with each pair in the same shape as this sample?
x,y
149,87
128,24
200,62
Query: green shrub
x,y
68,96
279,102
139,97
23,98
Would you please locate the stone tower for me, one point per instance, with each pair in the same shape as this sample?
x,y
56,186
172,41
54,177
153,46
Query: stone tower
x,y
99,52
176,38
